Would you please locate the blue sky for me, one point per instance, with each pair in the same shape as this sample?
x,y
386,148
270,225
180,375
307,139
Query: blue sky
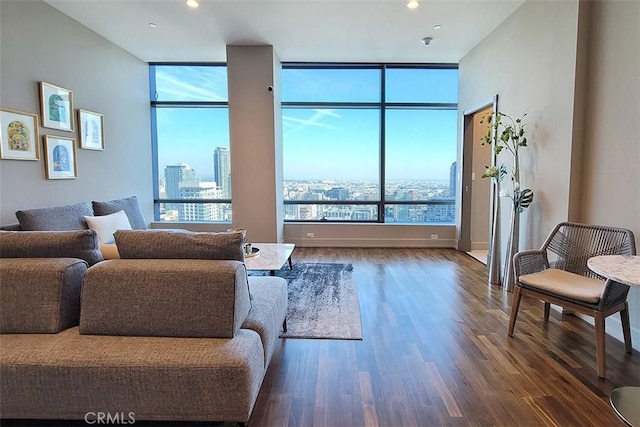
x,y
320,143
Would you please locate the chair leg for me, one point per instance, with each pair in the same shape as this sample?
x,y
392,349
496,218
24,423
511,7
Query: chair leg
x,y
515,304
601,352
547,307
626,327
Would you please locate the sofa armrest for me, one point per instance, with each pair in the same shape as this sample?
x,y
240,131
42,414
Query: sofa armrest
x,y
165,297
40,295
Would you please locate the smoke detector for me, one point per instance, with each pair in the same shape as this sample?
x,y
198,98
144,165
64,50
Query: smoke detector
x,y
426,41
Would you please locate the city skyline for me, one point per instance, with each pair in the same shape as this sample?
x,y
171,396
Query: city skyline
x,y
309,191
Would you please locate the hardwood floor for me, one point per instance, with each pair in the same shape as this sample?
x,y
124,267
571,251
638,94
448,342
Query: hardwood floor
x,y
436,353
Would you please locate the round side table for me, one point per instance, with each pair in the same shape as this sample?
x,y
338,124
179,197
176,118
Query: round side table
x,y
625,401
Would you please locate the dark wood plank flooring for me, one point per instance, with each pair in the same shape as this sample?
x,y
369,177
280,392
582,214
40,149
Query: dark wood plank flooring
x,y
436,353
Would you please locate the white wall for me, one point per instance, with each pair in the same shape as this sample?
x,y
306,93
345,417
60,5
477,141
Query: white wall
x,y
612,151
38,43
256,141
611,182
574,66
529,61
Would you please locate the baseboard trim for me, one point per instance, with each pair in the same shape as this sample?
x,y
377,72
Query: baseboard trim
x,y
612,326
371,243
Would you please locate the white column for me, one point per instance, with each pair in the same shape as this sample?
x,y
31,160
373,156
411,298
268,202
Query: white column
x,y
256,141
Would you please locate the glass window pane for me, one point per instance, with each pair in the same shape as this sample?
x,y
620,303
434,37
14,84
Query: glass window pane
x,y
315,212
195,212
421,85
330,85
331,154
191,83
426,213
193,153
420,154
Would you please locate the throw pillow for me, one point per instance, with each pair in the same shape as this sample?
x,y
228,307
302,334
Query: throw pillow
x,y
129,205
106,225
81,244
59,218
179,245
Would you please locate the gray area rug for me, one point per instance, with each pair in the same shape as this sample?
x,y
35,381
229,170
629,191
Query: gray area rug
x,y
323,301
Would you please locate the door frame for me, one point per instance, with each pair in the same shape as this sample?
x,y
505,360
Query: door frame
x,y
464,237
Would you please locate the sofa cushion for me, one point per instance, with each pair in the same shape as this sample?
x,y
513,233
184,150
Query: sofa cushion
x,y
58,218
40,295
129,204
179,244
165,297
566,284
65,375
11,227
81,244
109,251
106,225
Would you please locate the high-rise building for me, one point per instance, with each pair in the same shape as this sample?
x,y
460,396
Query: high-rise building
x,y
452,179
199,211
337,193
173,176
222,171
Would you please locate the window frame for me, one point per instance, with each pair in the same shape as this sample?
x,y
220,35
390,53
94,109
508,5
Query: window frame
x,y
154,105
382,106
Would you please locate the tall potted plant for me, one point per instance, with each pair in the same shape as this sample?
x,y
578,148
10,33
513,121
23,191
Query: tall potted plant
x,y
509,137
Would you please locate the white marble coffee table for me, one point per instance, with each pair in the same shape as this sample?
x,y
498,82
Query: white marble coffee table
x,y
271,257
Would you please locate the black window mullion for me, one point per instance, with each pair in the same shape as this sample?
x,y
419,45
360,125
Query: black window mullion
x,y
154,159
422,105
382,142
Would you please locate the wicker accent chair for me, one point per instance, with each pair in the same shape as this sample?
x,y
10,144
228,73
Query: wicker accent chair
x,y
558,274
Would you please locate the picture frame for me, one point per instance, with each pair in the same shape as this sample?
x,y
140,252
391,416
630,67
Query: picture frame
x,y
56,107
90,130
19,137
60,157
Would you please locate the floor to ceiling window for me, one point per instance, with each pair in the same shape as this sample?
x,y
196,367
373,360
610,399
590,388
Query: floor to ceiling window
x,y
369,143
190,129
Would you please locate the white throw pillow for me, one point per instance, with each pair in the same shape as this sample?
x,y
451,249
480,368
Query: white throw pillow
x,y
106,225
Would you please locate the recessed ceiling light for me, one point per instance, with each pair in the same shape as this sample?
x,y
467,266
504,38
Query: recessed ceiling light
x,y
412,4
427,41
437,27
192,3
152,24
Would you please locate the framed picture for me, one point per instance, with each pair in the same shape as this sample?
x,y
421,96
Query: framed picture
x,y
60,157
56,107
19,136
91,130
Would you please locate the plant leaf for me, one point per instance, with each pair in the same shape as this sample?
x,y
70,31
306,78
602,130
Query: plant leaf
x,y
524,199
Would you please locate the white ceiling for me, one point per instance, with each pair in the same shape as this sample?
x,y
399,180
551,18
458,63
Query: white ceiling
x,y
299,30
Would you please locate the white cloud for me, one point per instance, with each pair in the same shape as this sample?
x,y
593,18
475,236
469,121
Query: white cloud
x,y
314,120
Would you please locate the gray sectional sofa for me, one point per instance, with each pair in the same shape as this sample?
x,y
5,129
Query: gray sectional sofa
x,y
176,336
